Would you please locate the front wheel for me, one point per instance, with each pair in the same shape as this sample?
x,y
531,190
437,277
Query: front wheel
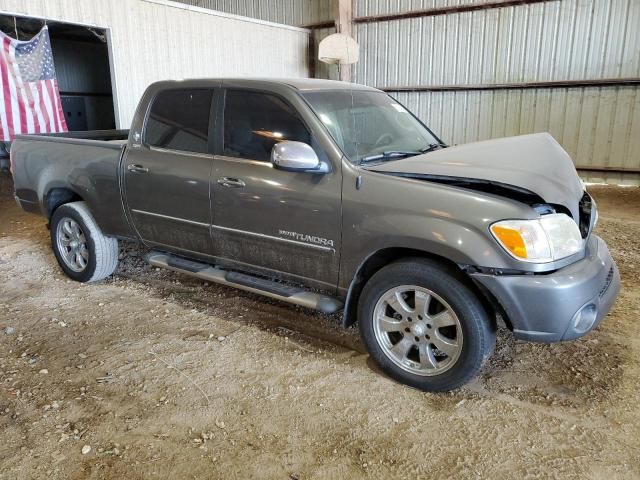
x,y
82,250
424,326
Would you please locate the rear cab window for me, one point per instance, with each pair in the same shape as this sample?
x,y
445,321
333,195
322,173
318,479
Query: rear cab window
x,y
179,120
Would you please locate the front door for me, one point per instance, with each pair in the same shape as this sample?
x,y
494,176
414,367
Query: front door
x,y
167,176
263,217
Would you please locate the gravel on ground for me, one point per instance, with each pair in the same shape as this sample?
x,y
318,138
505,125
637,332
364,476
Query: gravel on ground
x,y
153,374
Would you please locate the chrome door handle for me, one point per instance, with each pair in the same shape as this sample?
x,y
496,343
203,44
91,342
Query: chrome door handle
x,y
231,182
137,168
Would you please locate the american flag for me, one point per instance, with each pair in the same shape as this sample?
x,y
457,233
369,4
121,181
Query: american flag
x,y
30,97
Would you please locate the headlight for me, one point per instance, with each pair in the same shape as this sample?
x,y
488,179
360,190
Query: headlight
x,y
546,239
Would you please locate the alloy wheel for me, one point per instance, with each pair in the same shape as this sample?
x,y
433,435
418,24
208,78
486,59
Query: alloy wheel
x,y
72,244
417,330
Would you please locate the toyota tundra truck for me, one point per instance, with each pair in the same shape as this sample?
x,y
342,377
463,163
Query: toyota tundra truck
x,y
335,197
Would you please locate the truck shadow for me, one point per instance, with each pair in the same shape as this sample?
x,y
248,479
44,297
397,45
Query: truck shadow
x,y
310,328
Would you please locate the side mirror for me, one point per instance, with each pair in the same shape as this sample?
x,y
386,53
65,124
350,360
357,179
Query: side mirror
x,y
296,157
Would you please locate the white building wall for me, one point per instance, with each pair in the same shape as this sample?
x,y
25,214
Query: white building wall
x,y
156,40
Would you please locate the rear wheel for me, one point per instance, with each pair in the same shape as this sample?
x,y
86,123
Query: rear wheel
x,y
82,250
424,326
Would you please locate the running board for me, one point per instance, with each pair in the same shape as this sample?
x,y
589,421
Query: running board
x,y
261,286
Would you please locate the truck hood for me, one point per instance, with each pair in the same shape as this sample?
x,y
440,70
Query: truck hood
x,y
535,163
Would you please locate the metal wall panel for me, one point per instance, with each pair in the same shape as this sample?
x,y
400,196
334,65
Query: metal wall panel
x,y
291,12
598,126
556,40
568,40
154,40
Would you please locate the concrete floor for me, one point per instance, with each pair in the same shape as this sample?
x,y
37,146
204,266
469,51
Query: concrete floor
x,y
166,377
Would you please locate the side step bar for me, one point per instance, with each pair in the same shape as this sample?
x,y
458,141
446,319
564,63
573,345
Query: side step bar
x,y
261,286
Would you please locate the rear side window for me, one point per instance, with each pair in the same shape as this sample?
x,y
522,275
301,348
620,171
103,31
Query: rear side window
x,y
254,122
179,120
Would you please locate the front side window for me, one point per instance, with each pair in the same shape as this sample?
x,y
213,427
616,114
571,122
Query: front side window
x,y
254,122
366,124
179,120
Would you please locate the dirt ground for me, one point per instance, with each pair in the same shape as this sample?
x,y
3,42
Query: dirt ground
x,y
163,376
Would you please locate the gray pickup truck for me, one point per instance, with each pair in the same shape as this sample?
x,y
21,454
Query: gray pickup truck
x,y
335,197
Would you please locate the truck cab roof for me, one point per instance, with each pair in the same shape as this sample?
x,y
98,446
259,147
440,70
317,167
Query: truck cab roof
x,y
301,84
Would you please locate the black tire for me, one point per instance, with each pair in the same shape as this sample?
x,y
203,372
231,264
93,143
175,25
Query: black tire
x,y
101,251
478,330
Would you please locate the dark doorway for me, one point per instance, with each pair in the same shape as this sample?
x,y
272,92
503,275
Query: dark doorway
x,y
81,57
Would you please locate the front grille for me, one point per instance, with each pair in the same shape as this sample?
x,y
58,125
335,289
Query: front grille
x,y
585,206
607,283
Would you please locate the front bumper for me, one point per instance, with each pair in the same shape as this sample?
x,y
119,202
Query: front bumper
x,y
562,305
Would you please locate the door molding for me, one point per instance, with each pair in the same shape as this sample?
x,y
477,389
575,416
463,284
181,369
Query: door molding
x,y
169,217
271,237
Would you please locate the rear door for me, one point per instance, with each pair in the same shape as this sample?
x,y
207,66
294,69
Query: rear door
x,y
284,221
167,175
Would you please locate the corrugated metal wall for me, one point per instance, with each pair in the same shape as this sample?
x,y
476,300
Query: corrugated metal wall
x,y
154,40
597,126
555,40
291,12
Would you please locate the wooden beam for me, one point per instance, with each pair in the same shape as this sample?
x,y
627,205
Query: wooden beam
x,y
445,10
344,16
319,25
312,53
344,24
599,82
430,12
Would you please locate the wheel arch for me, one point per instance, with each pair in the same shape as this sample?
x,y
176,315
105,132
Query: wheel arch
x,y
381,258
58,196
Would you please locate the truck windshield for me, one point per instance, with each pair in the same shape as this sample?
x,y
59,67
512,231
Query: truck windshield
x,y
371,126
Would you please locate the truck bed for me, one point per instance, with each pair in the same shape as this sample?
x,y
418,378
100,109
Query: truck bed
x,y
121,134
83,165
106,135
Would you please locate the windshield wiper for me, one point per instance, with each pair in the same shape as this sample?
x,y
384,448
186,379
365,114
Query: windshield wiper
x,y
389,155
394,154
433,146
